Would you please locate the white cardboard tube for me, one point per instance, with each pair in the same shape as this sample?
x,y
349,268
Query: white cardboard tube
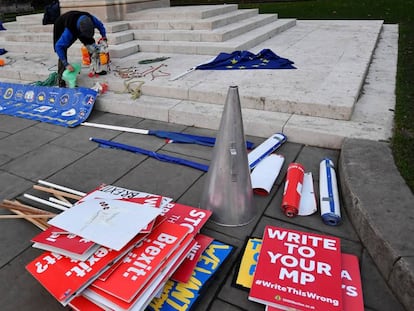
x,y
265,148
329,196
265,173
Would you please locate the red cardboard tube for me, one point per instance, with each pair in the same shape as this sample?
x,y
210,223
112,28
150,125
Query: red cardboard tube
x,y
293,189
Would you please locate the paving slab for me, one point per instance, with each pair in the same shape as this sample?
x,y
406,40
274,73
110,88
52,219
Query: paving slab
x,y
102,165
344,88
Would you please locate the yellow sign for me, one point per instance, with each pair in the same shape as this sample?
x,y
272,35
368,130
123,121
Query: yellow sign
x,y
248,262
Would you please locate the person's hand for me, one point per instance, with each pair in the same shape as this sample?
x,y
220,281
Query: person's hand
x,y
70,68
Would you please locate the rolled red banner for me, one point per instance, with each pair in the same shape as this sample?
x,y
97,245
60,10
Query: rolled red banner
x,y
293,189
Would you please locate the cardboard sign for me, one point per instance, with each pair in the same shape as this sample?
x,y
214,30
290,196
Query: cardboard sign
x,y
65,278
150,289
119,193
352,297
298,270
143,262
58,241
182,296
111,223
186,269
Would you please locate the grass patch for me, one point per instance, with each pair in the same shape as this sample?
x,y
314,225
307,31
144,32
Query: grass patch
x,y
399,12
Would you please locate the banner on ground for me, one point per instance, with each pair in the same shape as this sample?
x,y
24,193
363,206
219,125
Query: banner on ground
x,y
67,107
265,59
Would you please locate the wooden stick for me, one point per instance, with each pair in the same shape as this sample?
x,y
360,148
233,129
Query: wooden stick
x,y
24,208
57,192
79,193
24,216
36,222
63,199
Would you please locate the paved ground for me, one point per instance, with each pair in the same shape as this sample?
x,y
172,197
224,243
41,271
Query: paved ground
x,y
30,151
377,205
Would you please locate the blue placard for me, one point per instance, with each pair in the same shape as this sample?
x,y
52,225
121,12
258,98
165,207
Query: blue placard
x,y
67,107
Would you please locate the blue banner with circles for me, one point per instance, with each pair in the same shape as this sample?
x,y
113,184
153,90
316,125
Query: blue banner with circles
x,y
67,107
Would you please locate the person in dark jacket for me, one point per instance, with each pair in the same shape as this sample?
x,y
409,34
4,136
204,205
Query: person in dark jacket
x,y
69,27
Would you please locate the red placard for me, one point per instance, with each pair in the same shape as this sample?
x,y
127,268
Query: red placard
x,y
57,240
298,270
185,270
64,277
145,295
143,261
190,217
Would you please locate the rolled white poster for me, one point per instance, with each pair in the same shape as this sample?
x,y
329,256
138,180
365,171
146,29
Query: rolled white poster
x,y
329,196
265,173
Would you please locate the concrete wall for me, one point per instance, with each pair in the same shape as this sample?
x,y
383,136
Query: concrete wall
x,y
14,6
111,10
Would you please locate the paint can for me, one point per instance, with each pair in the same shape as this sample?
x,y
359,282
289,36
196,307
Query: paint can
x,y
293,189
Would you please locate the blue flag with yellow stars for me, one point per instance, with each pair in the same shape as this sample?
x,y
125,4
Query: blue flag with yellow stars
x,y
265,59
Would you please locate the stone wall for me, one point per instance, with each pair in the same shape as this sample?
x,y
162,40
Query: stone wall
x,y
111,10
14,6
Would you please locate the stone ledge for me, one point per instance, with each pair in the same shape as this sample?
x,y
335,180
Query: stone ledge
x,y
381,211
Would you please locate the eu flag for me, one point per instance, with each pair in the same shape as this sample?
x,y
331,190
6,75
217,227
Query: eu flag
x,y
265,59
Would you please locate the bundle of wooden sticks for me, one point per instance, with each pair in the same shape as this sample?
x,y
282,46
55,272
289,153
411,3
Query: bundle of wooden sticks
x,y
62,198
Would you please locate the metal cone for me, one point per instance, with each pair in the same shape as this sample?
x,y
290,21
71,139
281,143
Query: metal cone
x,y
228,189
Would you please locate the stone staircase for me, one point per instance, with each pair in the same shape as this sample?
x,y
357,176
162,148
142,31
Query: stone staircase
x,y
208,30
333,94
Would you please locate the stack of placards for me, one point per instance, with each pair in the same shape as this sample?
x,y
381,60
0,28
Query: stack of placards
x,y
116,248
294,270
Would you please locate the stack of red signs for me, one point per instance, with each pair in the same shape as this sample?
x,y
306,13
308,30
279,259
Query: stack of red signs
x,y
302,271
121,251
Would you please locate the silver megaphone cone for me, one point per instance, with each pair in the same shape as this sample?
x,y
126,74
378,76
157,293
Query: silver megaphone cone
x,y
228,189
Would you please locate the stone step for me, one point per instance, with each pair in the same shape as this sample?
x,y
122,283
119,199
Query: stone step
x,y
30,18
210,23
114,27
318,104
123,48
181,12
242,42
221,34
315,131
40,37
37,27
